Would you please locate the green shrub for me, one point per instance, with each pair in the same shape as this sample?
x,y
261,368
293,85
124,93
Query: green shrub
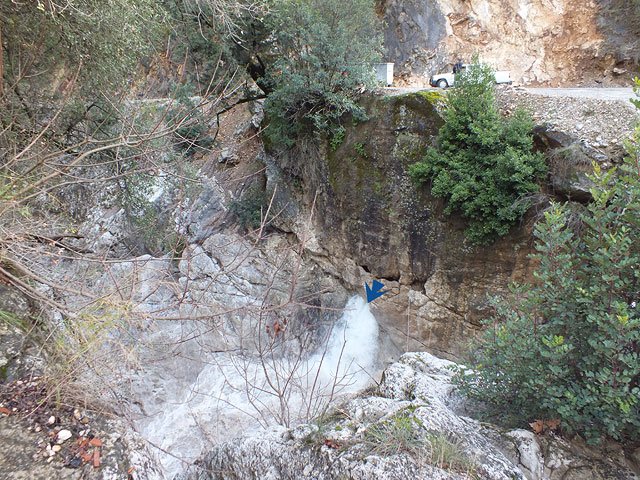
x,y
483,164
337,137
325,51
360,150
248,209
568,346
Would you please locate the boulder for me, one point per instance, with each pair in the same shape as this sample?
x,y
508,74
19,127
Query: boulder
x,y
407,427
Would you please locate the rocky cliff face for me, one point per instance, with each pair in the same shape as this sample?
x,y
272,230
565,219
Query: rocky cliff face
x,y
539,41
371,222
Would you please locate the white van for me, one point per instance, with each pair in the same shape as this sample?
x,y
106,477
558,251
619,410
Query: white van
x,y
445,80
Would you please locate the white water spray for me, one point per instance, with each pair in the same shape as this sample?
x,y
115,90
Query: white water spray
x,y
232,396
352,348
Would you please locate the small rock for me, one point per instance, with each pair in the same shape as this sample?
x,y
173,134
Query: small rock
x,y
241,129
619,71
84,420
37,429
76,414
75,462
56,448
52,420
49,451
579,126
63,436
224,155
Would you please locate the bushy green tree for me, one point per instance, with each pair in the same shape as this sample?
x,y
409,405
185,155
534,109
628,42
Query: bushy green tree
x,y
568,345
317,55
97,41
483,164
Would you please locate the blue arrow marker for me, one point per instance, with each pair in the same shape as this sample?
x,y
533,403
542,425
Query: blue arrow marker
x,y
374,291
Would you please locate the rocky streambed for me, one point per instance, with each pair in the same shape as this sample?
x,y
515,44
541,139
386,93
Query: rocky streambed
x,y
410,424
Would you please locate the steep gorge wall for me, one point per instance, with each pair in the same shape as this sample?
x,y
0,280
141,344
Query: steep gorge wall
x,y
372,222
555,42
369,221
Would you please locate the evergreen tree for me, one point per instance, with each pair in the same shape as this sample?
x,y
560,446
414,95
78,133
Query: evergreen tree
x,y
483,164
568,345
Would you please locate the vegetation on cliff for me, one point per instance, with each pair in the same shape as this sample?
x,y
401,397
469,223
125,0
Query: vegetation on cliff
x,y
483,164
325,49
98,43
567,347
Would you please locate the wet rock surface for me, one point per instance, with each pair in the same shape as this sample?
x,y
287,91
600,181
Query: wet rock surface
x,y
416,390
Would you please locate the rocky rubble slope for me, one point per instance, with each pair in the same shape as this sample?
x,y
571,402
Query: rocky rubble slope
x,y
407,427
596,123
574,132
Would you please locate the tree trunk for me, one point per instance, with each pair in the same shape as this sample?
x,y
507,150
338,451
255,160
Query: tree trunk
x,y
1,63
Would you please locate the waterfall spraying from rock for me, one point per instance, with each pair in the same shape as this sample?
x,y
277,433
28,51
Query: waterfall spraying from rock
x,y
352,347
237,394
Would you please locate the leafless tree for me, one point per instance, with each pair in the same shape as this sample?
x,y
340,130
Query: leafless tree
x,y
228,13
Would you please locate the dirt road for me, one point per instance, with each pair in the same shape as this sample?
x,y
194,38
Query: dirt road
x,y
597,93
620,94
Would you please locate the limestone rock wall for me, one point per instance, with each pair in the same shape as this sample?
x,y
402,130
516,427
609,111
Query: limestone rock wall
x,y
554,42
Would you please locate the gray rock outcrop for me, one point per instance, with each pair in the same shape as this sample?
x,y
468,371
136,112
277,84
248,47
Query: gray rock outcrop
x,y
398,431
539,42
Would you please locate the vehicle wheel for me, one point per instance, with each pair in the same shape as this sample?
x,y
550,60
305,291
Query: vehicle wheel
x,y
442,83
